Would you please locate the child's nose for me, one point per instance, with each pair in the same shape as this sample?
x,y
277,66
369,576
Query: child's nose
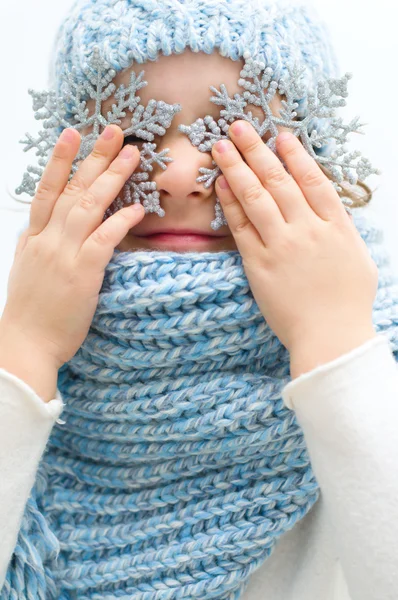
x,y
177,183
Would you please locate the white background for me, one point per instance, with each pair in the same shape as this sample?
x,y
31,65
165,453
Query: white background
x,y
364,34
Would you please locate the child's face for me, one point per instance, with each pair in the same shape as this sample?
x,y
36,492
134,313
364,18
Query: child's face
x,y
189,206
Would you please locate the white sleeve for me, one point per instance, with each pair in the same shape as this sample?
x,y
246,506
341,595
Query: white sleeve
x,y
348,410
25,425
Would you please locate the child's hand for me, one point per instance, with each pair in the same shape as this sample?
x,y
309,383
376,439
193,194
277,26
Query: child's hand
x,y
309,269
60,258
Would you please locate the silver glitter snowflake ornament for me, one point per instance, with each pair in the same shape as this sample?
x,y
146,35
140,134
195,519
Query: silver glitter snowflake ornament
x,y
320,104
69,109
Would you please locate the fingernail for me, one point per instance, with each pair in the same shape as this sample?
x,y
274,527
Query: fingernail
x,y
127,152
223,146
239,128
223,183
137,206
285,136
108,133
67,135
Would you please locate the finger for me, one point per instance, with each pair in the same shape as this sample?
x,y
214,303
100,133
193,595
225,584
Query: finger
x,y
317,189
88,212
270,171
98,249
106,147
53,181
257,202
245,234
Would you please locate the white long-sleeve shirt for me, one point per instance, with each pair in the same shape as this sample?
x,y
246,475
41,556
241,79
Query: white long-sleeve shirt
x,y
346,547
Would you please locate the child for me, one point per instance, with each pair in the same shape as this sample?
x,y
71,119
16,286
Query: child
x,y
186,464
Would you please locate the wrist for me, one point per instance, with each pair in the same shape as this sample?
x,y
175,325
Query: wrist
x,y
25,359
324,347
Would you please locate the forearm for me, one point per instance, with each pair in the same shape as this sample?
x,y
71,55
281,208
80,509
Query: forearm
x,y
348,412
25,425
324,345
24,359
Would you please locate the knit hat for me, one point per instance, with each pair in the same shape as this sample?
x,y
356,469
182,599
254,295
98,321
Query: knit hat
x,y
137,31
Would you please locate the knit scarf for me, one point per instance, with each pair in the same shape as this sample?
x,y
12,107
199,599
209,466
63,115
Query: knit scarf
x,y
176,467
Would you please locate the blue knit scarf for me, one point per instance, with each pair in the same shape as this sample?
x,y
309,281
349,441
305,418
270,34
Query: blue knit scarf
x,y
178,466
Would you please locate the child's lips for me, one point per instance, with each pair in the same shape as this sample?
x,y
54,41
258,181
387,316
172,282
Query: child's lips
x,y
173,231
182,238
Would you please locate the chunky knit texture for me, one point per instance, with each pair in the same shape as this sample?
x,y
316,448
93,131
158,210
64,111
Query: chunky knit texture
x,y
178,466
137,31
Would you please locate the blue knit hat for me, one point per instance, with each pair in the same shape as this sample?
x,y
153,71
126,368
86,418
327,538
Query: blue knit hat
x,y
137,31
